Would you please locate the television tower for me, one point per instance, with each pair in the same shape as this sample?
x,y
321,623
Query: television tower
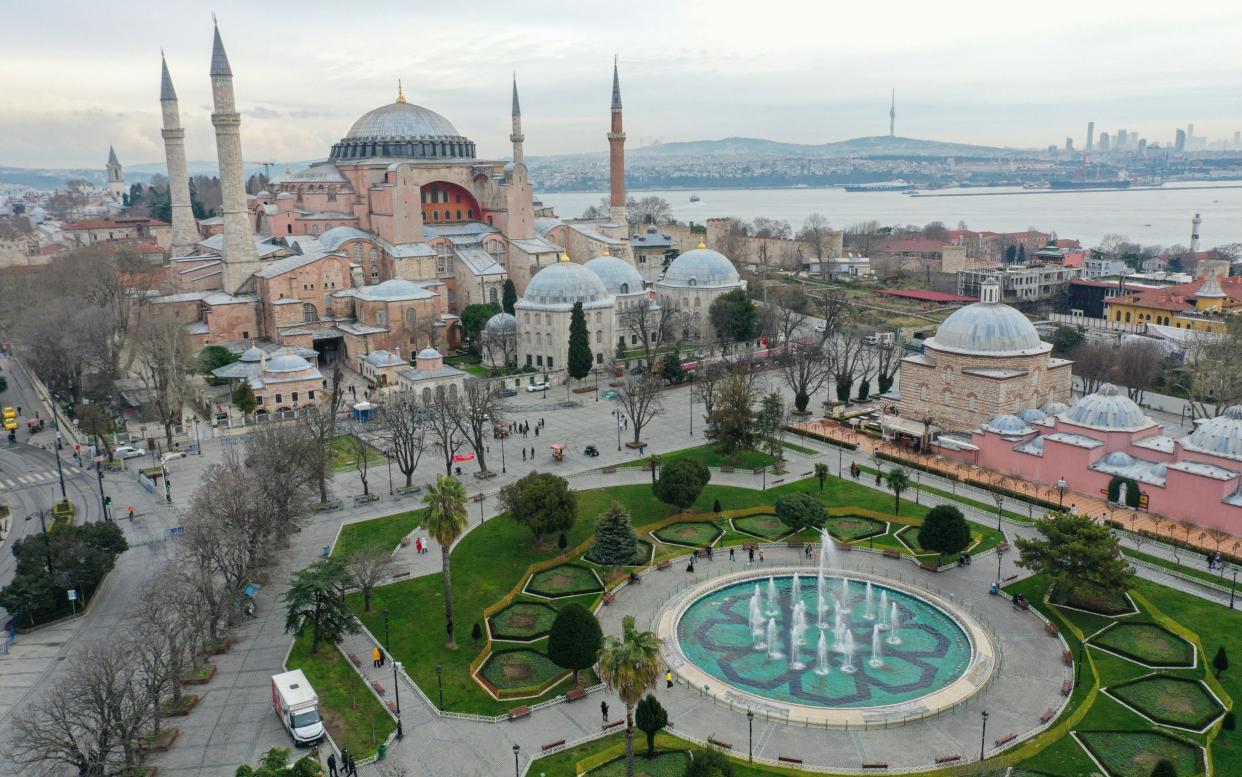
x,y
892,115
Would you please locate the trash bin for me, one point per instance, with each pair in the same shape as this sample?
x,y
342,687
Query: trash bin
x,y
327,550
383,751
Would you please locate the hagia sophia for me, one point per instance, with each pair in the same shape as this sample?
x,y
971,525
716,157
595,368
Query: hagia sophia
x,y
370,255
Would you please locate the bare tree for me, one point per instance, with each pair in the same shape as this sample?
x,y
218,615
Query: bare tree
x,y
767,228
805,369
833,306
1138,363
653,325
475,415
367,570
429,330
284,462
361,452
888,355
639,398
733,240
403,429
500,343
816,233
1095,363
791,308
319,422
844,350
706,385
1212,376
163,360
439,417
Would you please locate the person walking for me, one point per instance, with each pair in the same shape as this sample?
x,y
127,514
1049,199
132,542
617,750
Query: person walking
x,y
761,555
523,454
346,760
668,680
376,658
730,555
751,554
331,765
603,710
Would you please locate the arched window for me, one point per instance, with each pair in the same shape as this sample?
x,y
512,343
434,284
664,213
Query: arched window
x,y
698,303
598,317
358,251
492,294
426,395
625,288
381,318
1127,316
599,336
452,391
440,392
309,314
374,254
694,282
526,318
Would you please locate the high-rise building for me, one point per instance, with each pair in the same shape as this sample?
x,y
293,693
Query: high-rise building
x,y
1179,141
1237,138
1069,144
1142,145
1123,139
1104,141
1090,135
892,115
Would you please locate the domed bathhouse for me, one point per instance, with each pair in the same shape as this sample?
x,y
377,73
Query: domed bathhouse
x,y
285,379
1106,444
543,315
693,282
985,360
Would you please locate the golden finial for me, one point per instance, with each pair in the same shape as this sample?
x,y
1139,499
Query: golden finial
x,y
606,251
565,257
400,92
701,243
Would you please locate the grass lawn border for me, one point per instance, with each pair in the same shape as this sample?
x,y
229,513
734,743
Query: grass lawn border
x,y
640,756
530,581
1119,616
646,558
1155,718
499,636
897,535
655,534
521,692
774,538
1135,658
886,527
1154,732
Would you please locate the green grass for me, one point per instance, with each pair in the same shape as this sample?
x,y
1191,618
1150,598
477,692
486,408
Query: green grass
x,y
378,533
799,449
670,764
342,448
522,621
848,528
1176,701
967,501
1195,572
564,580
693,534
1148,643
352,714
710,457
1136,753
764,526
520,671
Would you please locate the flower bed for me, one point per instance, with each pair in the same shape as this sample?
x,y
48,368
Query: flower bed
x,y
849,527
522,621
1098,602
765,526
564,580
1173,701
642,555
516,673
692,534
1136,753
1147,643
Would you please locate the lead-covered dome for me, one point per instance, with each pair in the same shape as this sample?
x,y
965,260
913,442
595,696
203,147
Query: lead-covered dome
x,y
1107,410
701,267
286,362
402,130
501,324
988,328
1007,424
394,290
618,275
562,284
1220,436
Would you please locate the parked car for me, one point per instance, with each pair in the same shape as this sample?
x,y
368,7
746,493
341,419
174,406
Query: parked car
x,y
537,387
508,392
167,457
128,452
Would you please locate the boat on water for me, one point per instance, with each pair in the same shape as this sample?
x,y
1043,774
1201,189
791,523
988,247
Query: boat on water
x,y
880,186
1112,183
695,198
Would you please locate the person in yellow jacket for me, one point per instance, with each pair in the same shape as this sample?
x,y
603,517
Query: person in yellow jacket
x,y
377,658
668,678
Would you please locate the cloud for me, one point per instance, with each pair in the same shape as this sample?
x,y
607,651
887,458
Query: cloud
x,y
260,112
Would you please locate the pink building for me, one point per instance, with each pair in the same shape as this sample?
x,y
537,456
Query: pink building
x,y
1106,445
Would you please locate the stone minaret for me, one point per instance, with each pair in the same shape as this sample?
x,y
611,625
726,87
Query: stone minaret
x,y
184,231
616,154
116,178
241,260
516,138
1194,234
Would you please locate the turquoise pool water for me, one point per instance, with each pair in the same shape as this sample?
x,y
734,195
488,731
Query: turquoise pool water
x,y
931,652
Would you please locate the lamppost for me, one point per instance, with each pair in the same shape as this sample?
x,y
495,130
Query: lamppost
x,y
516,749
1233,588
198,445
1082,650
1000,554
387,649
918,480
397,685
503,468
47,544
440,683
595,372
388,457
618,430
59,472
1061,484
983,739
691,412
840,457
750,724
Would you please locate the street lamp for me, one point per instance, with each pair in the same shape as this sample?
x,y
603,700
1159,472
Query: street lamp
x,y
503,468
750,724
983,739
1233,588
516,749
618,430
59,472
691,412
397,685
1000,554
198,445
387,649
440,683
388,456
47,542
1061,484
918,479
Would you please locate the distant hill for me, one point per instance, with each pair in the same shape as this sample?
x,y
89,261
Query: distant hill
x,y
876,145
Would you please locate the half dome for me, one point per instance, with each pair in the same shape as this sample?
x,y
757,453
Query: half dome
x,y
989,329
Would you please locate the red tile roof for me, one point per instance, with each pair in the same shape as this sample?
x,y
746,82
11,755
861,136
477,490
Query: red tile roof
x,y
114,223
1181,297
927,296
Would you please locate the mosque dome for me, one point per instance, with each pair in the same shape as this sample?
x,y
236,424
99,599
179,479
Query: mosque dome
x,y
1054,408
562,284
701,267
1007,424
429,353
1031,415
403,130
252,354
1109,410
1219,436
1119,459
286,362
501,323
395,290
265,194
618,275
990,329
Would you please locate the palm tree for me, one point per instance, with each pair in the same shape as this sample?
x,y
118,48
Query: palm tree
x,y
821,472
899,481
629,665
446,520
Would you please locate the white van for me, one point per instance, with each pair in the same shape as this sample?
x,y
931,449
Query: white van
x,y
297,705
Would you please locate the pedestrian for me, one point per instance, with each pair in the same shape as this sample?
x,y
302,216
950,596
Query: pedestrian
x,y
730,555
353,766
532,452
541,420
536,431
668,679
346,760
523,454
709,553
377,658
603,710
751,553
761,555
487,446
331,765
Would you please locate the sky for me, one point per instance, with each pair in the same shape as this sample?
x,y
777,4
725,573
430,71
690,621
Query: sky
x,y
78,76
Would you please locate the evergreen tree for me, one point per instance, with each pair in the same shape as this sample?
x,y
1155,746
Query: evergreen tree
x,y
1022,254
1011,253
580,358
244,398
509,298
681,482
615,540
898,481
1164,768
542,502
709,762
734,317
716,507
672,371
944,530
316,598
800,510
575,639
476,633
733,418
1220,662
1076,554
821,474
650,716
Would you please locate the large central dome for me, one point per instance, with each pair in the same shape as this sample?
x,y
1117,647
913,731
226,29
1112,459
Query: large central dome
x,y
403,130
989,329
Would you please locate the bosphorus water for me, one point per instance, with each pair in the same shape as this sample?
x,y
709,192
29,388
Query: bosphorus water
x,y
1148,216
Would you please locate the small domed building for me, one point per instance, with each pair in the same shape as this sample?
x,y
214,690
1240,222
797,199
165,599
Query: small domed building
x,y
985,360
544,311
694,280
498,341
282,380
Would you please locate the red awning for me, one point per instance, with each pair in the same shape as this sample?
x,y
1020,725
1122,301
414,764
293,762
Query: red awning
x,y
463,457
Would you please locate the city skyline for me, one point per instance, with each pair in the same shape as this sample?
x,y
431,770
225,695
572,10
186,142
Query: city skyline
x,y
302,81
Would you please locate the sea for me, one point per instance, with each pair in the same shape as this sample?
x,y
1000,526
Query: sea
x,y
1149,216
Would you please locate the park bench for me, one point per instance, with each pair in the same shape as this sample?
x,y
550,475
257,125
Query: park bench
x,y
1005,740
635,578
609,470
1051,628
758,471
1010,578
549,745
778,482
719,743
890,553
948,759
1048,715
361,499
409,490
353,659
1067,688
608,598
613,724
1003,547
378,688
788,759
794,544
330,505
574,694
517,713
399,575
1067,658
663,564
875,765
392,707
1022,605
726,468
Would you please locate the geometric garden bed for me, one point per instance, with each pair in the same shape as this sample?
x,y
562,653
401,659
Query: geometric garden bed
x,y
1146,643
564,580
1174,701
693,534
1136,753
522,622
519,673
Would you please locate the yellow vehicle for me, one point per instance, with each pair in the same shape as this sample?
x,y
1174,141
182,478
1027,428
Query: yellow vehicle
x,y
10,419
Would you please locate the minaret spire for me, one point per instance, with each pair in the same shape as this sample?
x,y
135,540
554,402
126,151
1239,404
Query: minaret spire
x,y
241,260
184,230
892,115
116,178
516,137
616,153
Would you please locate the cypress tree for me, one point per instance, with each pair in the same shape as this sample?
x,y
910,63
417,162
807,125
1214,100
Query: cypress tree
x,y
615,540
575,639
580,358
509,298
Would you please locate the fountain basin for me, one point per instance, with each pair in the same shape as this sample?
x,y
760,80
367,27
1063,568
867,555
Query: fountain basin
x,y
944,657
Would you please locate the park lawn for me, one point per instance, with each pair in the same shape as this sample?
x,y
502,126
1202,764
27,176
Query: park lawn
x,y
342,448
798,448
378,533
355,718
710,457
987,508
1189,571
